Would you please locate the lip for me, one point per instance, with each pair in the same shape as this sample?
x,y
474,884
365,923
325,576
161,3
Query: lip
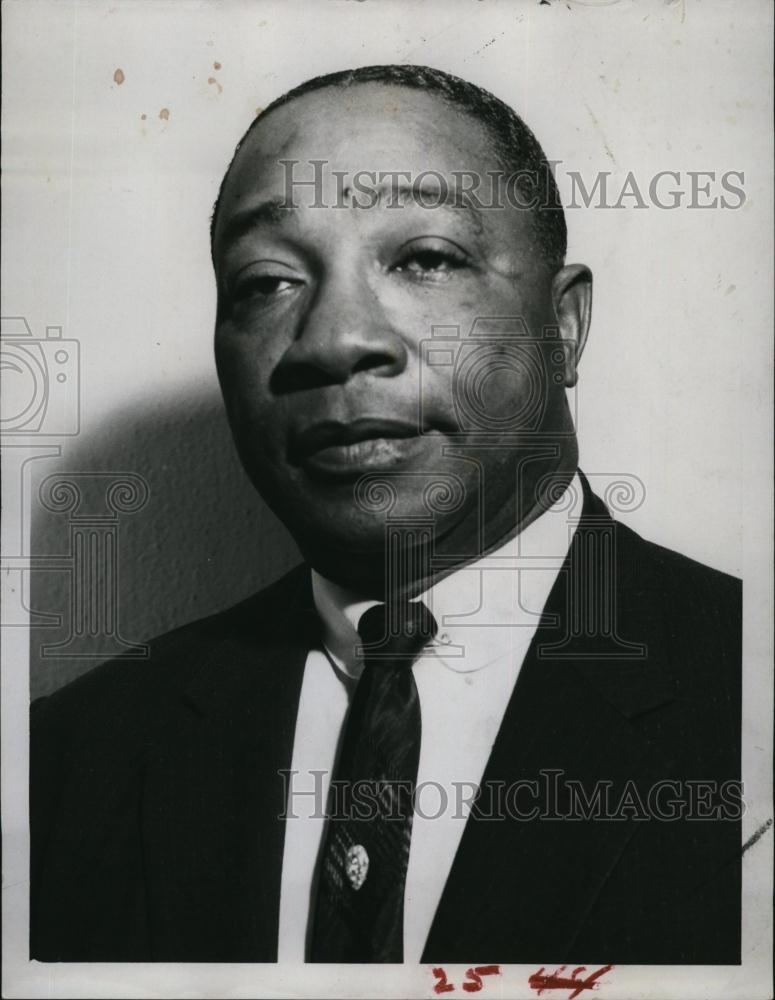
x,y
345,449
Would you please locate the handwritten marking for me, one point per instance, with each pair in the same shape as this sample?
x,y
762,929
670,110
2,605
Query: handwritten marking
x,y
442,986
756,836
475,975
540,981
472,983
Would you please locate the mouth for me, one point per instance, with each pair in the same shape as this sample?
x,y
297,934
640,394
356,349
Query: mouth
x,y
347,450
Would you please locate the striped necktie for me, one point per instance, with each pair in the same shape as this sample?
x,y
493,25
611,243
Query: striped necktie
x,y
359,906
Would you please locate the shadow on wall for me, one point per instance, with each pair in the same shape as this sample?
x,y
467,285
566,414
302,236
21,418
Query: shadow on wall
x,y
146,525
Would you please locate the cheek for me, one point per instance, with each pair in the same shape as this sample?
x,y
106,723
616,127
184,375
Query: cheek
x,y
415,309
515,386
492,388
256,417
244,363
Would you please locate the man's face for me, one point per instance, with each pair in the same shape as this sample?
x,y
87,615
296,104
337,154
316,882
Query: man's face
x,y
323,312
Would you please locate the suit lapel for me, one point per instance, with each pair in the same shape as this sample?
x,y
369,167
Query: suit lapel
x,y
585,704
213,790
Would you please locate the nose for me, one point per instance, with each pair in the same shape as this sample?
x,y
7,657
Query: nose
x,y
343,331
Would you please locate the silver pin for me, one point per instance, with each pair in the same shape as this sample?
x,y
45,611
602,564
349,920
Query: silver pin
x,y
356,865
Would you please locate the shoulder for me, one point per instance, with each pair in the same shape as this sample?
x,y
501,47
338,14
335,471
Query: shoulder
x,y
92,741
648,571
646,565
689,616
131,695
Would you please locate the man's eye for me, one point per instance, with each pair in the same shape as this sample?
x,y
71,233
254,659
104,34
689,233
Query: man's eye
x,y
261,286
430,264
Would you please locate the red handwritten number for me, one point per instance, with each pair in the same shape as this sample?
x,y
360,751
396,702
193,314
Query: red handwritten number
x,y
442,986
473,981
475,975
541,981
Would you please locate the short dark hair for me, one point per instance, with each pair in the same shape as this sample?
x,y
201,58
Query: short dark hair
x,y
514,144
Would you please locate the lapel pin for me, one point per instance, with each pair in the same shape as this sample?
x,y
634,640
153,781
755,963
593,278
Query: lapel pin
x,y
356,865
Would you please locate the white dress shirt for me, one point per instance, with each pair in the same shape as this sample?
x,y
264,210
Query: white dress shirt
x,y
487,613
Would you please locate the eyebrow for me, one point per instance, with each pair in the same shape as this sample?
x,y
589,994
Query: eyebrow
x,y
275,211
269,212
408,193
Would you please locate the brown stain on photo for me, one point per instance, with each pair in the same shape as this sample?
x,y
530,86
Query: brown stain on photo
x,y
211,80
164,114
216,65
118,76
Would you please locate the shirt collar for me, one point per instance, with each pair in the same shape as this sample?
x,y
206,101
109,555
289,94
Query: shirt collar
x,y
484,610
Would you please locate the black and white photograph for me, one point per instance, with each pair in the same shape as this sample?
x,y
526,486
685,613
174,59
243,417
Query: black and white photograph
x,y
387,498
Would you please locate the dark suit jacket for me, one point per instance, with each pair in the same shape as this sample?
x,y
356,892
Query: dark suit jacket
x,y
155,793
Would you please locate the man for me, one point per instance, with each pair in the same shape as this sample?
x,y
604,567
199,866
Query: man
x,y
394,358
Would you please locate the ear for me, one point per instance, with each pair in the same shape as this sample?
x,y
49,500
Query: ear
x,y
572,301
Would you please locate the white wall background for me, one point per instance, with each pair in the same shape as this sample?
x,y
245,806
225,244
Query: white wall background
x,y
106,208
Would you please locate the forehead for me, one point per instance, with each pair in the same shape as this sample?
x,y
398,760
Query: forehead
x,y
366,127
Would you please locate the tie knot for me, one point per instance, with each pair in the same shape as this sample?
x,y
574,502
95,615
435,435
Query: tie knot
x,y
396,631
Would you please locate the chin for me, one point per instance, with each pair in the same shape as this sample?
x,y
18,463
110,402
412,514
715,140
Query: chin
x,y
351,517
345,535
